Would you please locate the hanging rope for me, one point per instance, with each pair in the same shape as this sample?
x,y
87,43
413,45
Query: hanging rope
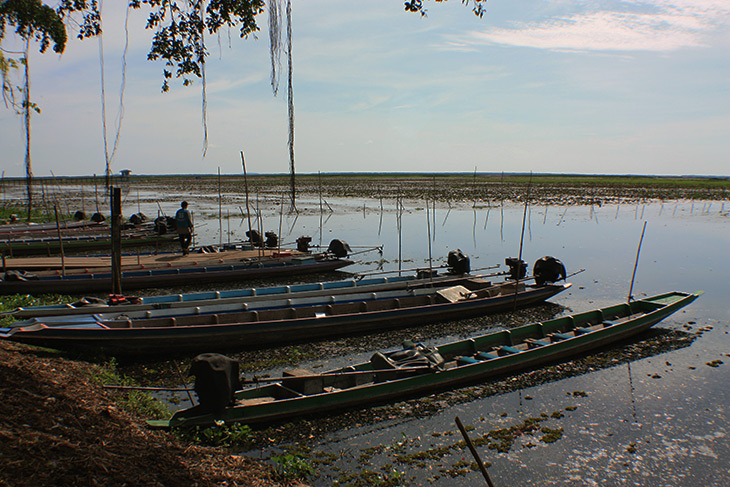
x,y
103,98
275,45
28,167
290,99
201,57
120,114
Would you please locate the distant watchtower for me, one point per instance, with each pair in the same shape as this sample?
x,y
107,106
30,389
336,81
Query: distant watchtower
x,y
125,172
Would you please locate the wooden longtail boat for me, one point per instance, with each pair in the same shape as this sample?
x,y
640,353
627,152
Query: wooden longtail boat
x,y
81,243
383,379
228,312
263,327
35,228
175,276
88,306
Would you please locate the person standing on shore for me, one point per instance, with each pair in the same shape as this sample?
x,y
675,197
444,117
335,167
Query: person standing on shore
x,y
184,221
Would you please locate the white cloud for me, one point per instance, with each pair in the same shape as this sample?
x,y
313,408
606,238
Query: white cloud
x,y
663,25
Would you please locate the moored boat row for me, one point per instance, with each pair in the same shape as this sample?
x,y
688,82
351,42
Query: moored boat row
x,y
199,331
417,370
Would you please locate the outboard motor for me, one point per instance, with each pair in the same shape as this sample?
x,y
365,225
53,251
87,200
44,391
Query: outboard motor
x,y
272,241
255,238
303,243
162,225
339,248
79,216
97,217
548,270
216,381
458,262
517,268
137,218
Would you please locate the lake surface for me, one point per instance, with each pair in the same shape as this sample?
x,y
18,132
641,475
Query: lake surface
x,y
656,420
651,412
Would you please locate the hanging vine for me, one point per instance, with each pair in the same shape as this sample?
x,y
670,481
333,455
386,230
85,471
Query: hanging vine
x,y
275,46
290,104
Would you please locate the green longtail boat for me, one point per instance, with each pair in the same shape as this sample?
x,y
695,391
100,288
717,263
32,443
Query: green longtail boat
x,y
418,370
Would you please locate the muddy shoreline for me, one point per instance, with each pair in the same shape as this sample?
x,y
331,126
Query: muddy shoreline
x,y
36,428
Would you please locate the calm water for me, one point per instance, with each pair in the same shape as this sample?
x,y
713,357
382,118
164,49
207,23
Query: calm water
x,y
660,420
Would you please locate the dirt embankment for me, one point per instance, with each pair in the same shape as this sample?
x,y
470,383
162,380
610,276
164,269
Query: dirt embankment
x,y
58,427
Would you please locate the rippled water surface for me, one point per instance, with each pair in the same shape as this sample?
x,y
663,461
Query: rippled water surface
x,y
650,412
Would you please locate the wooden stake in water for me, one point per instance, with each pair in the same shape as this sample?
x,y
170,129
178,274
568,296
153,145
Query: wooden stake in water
x,y
281,217
474,452
428,225
60,241
220,211
116,201
522,239
245,183
319,179
636,263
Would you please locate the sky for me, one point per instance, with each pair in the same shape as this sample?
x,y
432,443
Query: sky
x,y
549,86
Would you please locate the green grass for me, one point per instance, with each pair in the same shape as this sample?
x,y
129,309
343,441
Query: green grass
x,y
135,401
9,303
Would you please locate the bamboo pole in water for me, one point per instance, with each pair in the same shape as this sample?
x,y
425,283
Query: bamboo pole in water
x,y
474,452
522,238
636,263
428,225
60,241
220,211
116,198
245,183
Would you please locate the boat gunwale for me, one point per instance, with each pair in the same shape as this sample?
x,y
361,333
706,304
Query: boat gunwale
x,y
461,374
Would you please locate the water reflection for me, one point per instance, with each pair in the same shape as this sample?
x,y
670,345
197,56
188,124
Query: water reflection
x,y
651,412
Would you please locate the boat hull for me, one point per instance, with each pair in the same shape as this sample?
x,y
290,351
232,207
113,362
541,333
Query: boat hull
x,y
134,280
648,312
171,339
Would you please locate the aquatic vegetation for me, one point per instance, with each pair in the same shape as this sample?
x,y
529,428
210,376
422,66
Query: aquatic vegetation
x,y
233,435
290,466
135,401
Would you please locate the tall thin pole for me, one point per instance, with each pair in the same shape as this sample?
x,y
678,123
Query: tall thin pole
x,y
281,217
522,238
474,452
290,103
26,113
116,198
220,211
524,215
60,241
428,225
399,221
321,224
248,210
636,263
96,194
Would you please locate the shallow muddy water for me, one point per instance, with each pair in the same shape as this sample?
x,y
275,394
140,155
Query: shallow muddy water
x,y
655,419
651,412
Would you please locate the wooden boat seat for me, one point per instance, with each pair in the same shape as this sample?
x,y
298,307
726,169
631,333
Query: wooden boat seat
x,y
466,360
254,401
582,331
534,343
475,283
607,323
301,382
505,350
454,294
486,355
556,337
